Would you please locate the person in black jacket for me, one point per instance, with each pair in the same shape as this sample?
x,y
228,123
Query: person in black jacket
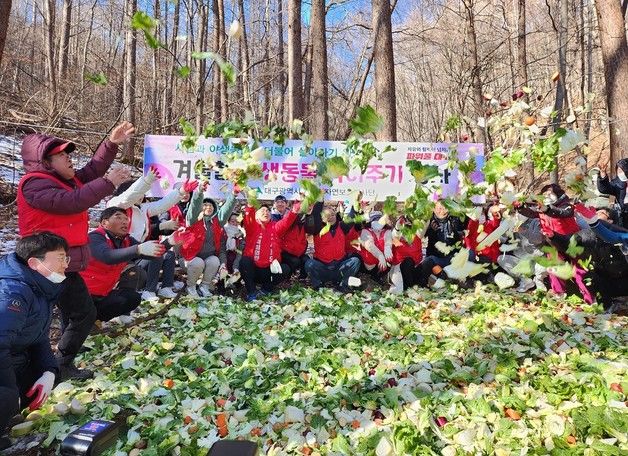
x,y
31,280
616,187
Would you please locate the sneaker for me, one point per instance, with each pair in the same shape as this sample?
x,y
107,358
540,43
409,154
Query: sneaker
x,y
540,285
71,372
204,291
252,297
178,285
166,292
525,285
192,293
149,296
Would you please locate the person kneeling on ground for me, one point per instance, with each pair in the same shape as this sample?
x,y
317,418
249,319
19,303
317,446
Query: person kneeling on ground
x,y
112,248
331,262
376,247
261,259
30,283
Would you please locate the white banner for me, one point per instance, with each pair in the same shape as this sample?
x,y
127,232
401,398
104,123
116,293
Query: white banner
x,y
290,163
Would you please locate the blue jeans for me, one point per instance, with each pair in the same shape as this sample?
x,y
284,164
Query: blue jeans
x,y
167,262
337,272
610,236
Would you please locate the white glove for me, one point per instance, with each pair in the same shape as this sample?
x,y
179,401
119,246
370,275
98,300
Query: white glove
x,y
388,252
275,267
231,243
151,248
168,225
222,272
151,176
382,264
41,390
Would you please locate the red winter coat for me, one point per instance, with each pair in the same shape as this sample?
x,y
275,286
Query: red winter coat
x,y
263,240
564,226
100,277
331,246
471,239
53,199
404,250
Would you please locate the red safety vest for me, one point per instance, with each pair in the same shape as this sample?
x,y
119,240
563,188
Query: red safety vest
x,y
328,247
405,250
471,239
100,277
564,226
71,227
379,241
190,249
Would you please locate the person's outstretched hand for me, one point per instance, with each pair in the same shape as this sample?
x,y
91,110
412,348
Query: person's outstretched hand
x,y
122,133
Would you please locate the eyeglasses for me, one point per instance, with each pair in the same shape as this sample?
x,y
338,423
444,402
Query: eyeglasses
x,y
64,259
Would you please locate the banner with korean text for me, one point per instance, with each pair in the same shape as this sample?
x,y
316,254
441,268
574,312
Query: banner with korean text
x,y
286,165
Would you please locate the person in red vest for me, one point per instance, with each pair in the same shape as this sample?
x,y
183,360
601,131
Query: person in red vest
x,y
558,224
261,258
205,254
376,247
294,241
112,248
480,227
406,259
53,196
331,263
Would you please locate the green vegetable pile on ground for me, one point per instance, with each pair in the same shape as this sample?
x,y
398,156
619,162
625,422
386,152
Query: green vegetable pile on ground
x,y
304,372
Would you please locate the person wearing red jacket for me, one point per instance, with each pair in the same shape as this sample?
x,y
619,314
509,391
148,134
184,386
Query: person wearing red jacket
x,y
406,259
294,241
261,258
111,250
331,262
476,231
53,196
558,225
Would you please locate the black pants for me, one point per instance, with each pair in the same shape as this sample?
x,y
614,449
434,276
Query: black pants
x,y
117,302
296,263
411,273
133,278
15,381
252,274
78,315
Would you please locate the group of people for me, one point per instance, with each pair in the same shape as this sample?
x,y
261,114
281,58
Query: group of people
x,y
133,254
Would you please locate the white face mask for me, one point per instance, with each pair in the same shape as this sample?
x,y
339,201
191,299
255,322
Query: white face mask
x,y
54,277
376,225
550,199
622,177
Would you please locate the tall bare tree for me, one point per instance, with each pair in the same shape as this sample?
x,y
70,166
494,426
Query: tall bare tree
x,y
5,9
130,76
49,24
612,29
201,66
319,120
295,84
66,25
244,60
216,87
476,78
224,95
281,82
561,85
383,56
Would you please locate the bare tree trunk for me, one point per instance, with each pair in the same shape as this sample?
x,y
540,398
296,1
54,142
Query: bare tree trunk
x,y
612,26
320,101
49,24
155,66
201,33
589,27
307,59
522,51
266,71
216,92
476,81
295,87
5,11
130,78
170,90
66,24
281,83
561,84
383,57
224,96
245,72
